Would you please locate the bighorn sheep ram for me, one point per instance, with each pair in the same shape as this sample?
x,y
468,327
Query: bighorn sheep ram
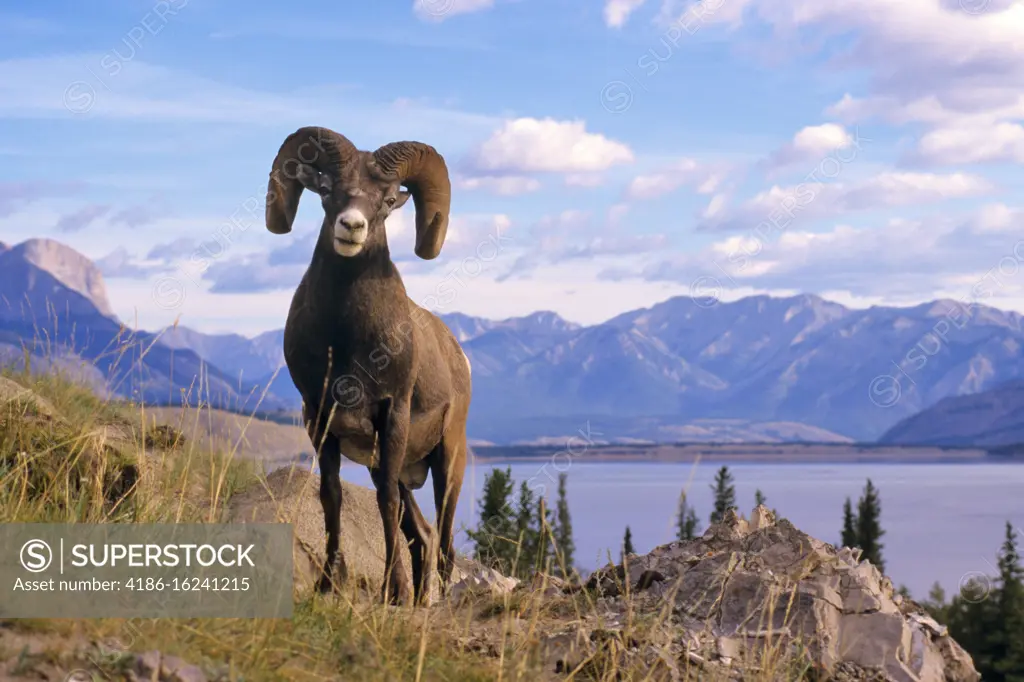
x,y
383,381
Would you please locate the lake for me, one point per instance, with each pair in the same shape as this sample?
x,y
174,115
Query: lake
x,y
942,521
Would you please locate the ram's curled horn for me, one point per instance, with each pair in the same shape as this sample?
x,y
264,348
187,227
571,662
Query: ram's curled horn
x,y
422,170
320,148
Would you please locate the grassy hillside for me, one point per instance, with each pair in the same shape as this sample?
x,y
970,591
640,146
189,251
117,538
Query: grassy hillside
x,y
248,437
66,456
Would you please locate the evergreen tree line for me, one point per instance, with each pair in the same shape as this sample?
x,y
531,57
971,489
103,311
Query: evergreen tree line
x,y
723,490
986,617
518,539
863,529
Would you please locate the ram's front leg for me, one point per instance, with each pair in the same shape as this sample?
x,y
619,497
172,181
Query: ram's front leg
x,y
393,433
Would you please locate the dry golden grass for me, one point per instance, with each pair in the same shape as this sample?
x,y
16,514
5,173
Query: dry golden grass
x,y
72,469
270,443
103,462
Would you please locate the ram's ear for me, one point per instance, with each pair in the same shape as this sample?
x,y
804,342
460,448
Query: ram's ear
x,y
400,200
312,179
422,170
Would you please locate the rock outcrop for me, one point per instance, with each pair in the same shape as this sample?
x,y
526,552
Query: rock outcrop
x,y
721,602
747,586
291,495
15,396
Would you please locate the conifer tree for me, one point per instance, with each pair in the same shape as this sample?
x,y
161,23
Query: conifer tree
x,y
1007,639
760,499
627,544
526,533
935,604
869,526
563,530
725,494
971,618
494,536
849,534
687,523
986,617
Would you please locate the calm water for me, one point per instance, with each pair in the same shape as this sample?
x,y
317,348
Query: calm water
x,y
942,521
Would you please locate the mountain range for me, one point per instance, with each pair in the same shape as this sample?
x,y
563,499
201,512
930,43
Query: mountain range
x,y
54,314
991,418
798,368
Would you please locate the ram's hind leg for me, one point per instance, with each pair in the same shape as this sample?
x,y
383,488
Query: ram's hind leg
x,y
420,535
417,533
447,468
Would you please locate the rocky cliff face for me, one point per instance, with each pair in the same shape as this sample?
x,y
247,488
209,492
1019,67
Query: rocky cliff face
x,y
67,266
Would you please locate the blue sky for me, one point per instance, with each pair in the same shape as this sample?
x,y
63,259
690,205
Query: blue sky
x,y
605,155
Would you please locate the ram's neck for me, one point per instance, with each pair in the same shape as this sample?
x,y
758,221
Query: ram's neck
x,y
333,277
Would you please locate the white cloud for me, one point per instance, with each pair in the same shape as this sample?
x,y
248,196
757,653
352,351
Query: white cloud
x,y
121,264
926,61
908,259
783,206
684,172
574,289
935,109
82,218
526,145
616,12
996,218
617,213
584,179
811,144
918,46
576,234
504,185
690,16
980,143
468,232
439,10
715,206
569,220
964,129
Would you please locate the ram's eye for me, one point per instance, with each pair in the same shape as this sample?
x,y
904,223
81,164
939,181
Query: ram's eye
x,y
390,201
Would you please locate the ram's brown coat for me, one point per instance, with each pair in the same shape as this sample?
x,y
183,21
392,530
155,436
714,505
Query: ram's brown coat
x,y
383,381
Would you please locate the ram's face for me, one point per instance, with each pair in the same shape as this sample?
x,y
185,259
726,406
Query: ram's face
x,y
355,205
359,189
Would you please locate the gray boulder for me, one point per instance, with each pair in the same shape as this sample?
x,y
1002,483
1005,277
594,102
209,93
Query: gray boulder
x,y
291,495
750,584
